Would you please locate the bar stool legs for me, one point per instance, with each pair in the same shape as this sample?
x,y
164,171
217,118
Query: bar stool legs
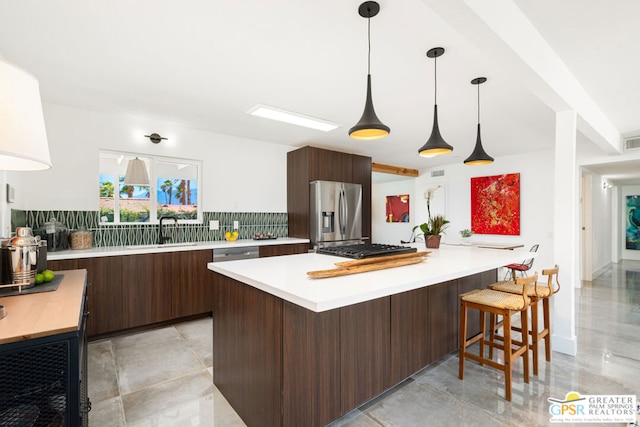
x,y
536,293
505,305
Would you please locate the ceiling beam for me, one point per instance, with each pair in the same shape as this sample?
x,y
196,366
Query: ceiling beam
x,y
396,170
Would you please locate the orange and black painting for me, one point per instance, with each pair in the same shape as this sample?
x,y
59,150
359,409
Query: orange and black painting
x,y
495,204
398,208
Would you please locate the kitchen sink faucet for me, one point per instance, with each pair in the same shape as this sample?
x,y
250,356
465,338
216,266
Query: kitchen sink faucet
x,y
161,238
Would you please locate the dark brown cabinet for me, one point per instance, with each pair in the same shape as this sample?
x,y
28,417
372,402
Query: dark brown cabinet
x,y
311,357
191,286
137,290
310,163
364,352
63,264
279,250
147,279
107,295
329,362
132,291
410,333
249,323
443,319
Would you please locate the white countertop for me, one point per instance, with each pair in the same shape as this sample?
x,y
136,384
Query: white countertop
x,y
286,276
169,247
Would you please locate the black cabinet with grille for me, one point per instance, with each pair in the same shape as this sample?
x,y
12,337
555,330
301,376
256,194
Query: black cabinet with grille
x,y
43,381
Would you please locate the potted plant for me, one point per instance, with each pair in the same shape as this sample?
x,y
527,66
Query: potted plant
x,y
433,230
466,236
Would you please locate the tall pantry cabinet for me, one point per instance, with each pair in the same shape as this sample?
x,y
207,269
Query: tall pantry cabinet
x,y
309,164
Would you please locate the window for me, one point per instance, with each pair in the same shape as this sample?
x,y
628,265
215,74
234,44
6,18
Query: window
x,y
173,190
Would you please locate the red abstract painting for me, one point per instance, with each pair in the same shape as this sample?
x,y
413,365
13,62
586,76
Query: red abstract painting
x,y
397,208
495,204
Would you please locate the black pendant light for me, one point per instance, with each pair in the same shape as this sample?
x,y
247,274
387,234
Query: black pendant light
x,y
435,145
369,126
479,156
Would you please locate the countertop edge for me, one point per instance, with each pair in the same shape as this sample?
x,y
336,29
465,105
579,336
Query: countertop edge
x,y
404,282
44,314
127,250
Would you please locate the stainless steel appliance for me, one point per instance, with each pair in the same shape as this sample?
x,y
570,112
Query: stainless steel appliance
x,y
235,253
335,213
365,250
23,257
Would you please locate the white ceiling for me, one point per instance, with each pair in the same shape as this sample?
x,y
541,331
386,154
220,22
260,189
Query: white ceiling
x,y
204,64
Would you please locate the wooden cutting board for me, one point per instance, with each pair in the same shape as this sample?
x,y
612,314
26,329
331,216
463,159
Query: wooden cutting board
x,y
343,271
376,260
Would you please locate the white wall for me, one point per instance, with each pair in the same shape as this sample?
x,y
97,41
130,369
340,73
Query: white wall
x,y
391,232
627,190
536,200
239,174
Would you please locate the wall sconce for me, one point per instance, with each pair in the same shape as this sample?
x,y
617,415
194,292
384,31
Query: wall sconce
x,y
155,138
23,137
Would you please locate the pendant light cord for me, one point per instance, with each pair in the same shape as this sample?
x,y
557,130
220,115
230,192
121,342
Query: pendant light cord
x,y
435,80
369,42
478,103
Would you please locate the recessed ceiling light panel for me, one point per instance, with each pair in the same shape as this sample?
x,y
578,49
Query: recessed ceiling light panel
x,y
292,118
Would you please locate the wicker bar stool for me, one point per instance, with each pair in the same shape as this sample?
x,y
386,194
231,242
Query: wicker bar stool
x,y
535,293
503,304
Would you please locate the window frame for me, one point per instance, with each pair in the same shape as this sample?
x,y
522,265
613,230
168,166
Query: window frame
x,y
153,161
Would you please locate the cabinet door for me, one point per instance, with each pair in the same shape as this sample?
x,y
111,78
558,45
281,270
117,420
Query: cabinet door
x,y
62,264
409,333
329,165
364,351
107,296
298,192
147,279
277,250
361,166
443,319
467,284
311,357
192,284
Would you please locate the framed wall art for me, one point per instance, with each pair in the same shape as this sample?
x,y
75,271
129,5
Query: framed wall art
x,y
495,204
632,230
397,208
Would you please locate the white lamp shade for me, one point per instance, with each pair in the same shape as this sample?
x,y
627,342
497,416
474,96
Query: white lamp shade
x,y
23,138
136,173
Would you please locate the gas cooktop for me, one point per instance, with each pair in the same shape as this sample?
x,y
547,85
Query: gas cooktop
x,y
365,250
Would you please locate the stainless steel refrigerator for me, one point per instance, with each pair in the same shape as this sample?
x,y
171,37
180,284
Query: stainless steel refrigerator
x,y
336,213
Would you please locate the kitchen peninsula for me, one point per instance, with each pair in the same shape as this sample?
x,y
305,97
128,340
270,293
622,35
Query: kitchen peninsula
x,y
290,350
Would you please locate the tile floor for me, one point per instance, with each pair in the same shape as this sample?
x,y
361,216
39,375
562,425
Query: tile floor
x,y
164,377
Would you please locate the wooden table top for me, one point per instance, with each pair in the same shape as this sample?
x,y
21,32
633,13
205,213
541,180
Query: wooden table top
x,y
46,313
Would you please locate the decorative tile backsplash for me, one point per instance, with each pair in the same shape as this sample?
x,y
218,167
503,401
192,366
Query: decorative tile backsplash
x,y
250,223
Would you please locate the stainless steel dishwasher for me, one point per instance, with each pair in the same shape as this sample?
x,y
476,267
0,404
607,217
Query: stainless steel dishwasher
x,y
232,254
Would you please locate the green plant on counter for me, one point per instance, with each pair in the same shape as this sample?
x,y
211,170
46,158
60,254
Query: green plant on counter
x,y
435,226
466,233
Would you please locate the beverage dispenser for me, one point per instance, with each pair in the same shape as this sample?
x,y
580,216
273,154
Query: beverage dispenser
x,y
23,257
